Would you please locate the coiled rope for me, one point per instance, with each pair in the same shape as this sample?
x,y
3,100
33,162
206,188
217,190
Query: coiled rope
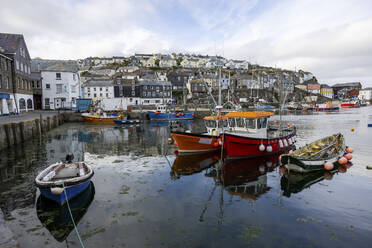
x,y
72,218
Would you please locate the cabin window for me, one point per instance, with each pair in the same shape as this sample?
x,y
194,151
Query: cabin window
x,y
264,122
239,122
250,123
231,122
210,124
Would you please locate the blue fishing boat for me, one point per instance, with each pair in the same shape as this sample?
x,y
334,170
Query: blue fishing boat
x,y
161,114
63,181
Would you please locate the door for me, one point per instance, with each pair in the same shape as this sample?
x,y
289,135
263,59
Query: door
x,y
57,103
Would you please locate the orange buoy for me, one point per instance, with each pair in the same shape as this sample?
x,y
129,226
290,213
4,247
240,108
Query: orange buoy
x,y
175,152
175,143
215,144
157,112
349,150
348,156
328,166
342,160
282,169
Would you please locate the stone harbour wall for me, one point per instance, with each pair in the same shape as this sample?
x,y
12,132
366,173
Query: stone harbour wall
x,y
18,132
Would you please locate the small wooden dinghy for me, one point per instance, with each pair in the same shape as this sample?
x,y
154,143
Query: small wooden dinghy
x,y
313,156
73,177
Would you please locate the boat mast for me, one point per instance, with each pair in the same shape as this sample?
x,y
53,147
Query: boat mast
x,y
219,87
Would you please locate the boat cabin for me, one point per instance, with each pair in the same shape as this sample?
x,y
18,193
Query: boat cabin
x,y
161,108
252,123
215,125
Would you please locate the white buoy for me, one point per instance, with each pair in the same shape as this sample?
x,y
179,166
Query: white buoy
x,y
261,147
269,148
261,168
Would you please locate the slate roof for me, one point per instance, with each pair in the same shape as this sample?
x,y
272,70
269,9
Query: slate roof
x,y
352,84
54,65
98,83
9,42
155,83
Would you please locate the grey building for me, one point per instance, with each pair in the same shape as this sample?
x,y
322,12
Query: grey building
x,y
153,92
179,78
6,85
14,47
37,89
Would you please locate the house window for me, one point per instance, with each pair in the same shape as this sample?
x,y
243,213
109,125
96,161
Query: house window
x,y
144,93
58,75
73,76
130,99
17,64
7,83
133,93
94,89
95,95
144,87
73,89
47,86
46,101
88,89
88,94
106,88
59,89
100,94
107,95
100,89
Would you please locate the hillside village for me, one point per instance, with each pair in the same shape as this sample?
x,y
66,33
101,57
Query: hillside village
x,y
149,79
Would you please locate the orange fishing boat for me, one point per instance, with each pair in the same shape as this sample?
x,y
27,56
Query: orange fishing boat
x,y
95,118
188,142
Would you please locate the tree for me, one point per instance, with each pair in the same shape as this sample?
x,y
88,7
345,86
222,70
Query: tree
x,y
179,60
157,61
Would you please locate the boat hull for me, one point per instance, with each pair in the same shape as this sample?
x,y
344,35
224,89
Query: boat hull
x,y
349,105
156,116
239,147
195,143
71,191
100,119
304,166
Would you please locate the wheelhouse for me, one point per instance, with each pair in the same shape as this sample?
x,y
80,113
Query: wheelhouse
x,y
248,122
215,125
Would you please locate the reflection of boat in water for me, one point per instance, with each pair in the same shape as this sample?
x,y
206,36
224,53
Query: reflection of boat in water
x,y
247,178
57,219
193,163
292,183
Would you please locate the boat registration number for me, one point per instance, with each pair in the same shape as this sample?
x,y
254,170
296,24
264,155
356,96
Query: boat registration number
x,y
205,141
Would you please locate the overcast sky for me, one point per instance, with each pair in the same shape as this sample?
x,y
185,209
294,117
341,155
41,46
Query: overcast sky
x,y
331,39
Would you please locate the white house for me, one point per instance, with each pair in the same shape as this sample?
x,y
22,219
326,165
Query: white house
x,y
98,89
60,89
365,94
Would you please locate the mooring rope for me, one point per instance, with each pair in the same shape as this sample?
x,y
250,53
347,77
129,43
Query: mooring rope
x,y
72,218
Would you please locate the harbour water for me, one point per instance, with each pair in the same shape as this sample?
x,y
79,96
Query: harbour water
x,y
143,195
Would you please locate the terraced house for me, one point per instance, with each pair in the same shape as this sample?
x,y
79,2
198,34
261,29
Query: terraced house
x,y
14,47
6,86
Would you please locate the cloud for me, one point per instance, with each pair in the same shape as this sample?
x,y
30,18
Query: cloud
x,y
332,39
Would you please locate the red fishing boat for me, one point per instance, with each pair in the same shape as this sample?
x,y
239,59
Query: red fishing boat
x,y
249,136
350,104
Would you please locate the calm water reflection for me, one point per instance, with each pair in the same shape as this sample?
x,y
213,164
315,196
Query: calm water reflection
x,y
145,196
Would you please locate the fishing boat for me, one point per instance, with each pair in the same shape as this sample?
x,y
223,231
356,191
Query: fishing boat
x,y
127,122
188,142
63,181
248,136
56,218
350,104
313,157
99,118
161,114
